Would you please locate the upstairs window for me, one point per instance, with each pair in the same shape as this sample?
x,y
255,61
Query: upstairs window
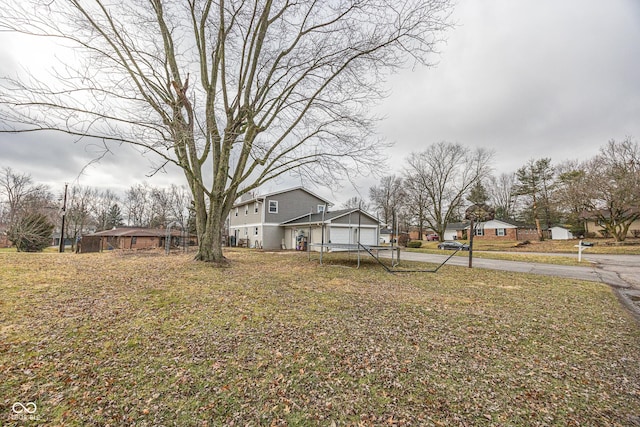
x,y
320,208
236,211
255,208
273,206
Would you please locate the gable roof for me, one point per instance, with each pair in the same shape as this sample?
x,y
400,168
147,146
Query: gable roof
x,y
261,197
328,217
510,224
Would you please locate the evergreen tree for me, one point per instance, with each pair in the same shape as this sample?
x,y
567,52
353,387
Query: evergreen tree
x,y
478,194
114,218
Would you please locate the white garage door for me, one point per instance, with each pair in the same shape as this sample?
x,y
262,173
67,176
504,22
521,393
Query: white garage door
x,y
368,236
350,235
341,235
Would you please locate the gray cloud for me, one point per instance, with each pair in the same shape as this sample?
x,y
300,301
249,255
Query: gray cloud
x,y
527,79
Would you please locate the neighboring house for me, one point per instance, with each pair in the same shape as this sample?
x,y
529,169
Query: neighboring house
x,y
499,230
560,233
592,225
347,226
414,233
136,238
257,222
55,239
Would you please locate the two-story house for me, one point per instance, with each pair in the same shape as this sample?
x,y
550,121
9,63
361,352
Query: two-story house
x,y
295,218
257,222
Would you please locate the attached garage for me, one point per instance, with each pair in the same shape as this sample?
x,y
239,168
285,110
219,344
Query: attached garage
x,y
349,235
340,227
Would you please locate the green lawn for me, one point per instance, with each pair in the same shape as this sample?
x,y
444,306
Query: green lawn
x,y
146,340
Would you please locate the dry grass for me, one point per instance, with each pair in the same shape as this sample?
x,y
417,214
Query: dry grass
x,y
631,246
548,251
107,339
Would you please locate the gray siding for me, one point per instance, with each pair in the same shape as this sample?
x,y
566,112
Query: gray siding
x,y
251,217
291,204
364,220
272,236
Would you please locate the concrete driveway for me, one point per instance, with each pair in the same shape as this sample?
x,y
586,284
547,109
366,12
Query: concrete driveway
x,y
621,272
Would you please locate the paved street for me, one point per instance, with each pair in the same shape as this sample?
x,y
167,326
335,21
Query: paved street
x,y
621,272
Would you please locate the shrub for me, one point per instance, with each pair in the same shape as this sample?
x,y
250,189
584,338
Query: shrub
x,y
414,244
31,233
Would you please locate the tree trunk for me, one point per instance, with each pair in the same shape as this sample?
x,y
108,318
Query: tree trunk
x,y
536,219
618,230
210,243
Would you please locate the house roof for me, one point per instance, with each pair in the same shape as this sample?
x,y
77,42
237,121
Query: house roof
x,y
457,225
136,232
606,214
466,225
328,217
498,221
274,193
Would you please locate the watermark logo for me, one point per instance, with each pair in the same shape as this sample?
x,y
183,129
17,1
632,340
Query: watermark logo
x,y
24,411
21,408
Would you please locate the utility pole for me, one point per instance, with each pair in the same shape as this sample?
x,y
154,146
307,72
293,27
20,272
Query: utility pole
x,y
64,212
472,231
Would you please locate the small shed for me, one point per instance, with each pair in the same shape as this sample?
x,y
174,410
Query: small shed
x,y
560,233
385,235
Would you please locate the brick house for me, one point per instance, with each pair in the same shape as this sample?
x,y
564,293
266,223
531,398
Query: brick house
x,y
137,238
499,230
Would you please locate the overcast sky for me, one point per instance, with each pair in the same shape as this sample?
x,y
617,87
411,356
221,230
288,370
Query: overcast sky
x,y
525,78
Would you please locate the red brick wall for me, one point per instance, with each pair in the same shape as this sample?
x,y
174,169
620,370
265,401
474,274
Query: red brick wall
x,y
510,234
124,242
4,242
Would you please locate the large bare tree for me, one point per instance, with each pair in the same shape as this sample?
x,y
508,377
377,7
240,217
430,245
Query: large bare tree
x,y
571,193
613,187
22,196
503,195
416,202
445,172
234,92
78,216
387,197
